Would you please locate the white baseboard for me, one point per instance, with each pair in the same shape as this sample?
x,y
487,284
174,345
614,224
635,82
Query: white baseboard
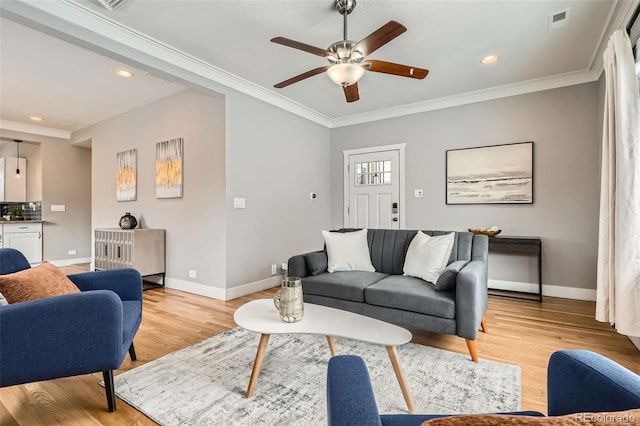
x,y
195,288
547,290
68,262
222,293
249,288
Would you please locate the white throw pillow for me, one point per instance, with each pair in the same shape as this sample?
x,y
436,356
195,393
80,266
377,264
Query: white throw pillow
x,y
348,251
428,256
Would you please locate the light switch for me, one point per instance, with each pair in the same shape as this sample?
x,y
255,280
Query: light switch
x,y
58,207
417,193
239,203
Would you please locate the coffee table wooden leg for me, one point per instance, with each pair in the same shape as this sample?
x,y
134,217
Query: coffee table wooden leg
x,y
262,348
395,362
332,345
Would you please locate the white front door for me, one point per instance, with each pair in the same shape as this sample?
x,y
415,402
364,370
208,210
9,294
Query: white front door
x,y
374,190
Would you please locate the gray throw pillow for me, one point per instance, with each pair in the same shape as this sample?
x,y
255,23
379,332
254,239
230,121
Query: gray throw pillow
x,y
447,279
317,262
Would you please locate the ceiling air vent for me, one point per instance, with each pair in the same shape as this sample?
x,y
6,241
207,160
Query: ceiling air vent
x,y
110,4
559,19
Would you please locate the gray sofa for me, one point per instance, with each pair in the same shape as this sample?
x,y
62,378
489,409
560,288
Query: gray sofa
x,y
407,301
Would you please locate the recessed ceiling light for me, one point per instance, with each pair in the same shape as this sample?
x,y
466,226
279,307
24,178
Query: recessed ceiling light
x,y
34,118
490,59
124,73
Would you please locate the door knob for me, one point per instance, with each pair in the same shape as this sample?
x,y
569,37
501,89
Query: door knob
x,y
395,219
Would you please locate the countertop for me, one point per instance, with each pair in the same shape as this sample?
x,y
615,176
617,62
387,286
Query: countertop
x,y
20,221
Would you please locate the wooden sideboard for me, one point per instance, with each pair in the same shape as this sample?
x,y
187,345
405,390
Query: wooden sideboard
x,y
141,249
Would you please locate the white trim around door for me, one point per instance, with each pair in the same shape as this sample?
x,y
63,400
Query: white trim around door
x,y
345,178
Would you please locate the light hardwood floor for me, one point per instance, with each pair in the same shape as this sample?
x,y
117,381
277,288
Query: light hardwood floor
x,y
519,332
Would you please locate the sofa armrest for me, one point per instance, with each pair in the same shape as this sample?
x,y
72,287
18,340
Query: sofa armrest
x,y
471,298
60,336
126,283
297,266
583,381
350,399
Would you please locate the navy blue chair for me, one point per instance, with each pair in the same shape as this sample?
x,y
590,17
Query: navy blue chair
x,y
73,334
578,381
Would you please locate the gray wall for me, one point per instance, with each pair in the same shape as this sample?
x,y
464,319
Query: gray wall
x,y
563,123
195,223
235,146
274,160
66,179
58,173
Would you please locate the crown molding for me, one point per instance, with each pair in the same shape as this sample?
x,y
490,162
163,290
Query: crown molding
x,y
537,85
34,130
619,16
81,26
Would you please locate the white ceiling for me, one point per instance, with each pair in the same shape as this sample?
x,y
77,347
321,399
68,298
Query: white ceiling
x,y
71,87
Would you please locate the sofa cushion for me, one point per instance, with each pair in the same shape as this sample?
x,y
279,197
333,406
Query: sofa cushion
x,y
348,251
411,294
428,256
447,279
347,285
44,280
317,262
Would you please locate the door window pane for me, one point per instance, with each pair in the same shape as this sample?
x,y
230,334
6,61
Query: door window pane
x,y
373,173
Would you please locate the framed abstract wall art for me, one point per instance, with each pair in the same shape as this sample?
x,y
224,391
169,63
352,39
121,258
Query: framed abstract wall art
x,y
497,174
169,168
126,179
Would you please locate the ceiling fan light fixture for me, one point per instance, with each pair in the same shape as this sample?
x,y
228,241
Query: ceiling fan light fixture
x,y
345,74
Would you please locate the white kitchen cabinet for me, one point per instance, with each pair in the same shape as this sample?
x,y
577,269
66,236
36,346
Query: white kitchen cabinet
x,y
27,238
12,188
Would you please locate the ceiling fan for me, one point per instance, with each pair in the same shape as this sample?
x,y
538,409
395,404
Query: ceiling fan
x,y
347,58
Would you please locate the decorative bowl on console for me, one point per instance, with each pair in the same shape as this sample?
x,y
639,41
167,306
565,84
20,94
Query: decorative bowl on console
x,y
491,232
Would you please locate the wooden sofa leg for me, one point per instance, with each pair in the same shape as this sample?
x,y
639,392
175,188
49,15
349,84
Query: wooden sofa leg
x,y
483,325
110,390
132,352
471,345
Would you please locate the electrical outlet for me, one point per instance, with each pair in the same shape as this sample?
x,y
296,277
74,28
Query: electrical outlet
x,y
418,193
192,274
274,269
72,252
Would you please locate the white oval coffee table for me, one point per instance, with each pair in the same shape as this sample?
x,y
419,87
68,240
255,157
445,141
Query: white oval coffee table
x,y
262,317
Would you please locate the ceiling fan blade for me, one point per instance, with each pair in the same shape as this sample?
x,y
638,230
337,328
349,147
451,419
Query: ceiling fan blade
x,y
351,92
380,37
397,69
299,77
301,46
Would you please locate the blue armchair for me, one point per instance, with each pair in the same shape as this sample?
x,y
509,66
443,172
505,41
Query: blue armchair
x,y
578,381
73,334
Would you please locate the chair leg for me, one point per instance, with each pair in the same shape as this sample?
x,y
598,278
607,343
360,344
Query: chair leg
x,y
132,352
483,325
471,345
110,390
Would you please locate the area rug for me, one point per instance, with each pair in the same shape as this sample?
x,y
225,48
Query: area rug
x,y
204,384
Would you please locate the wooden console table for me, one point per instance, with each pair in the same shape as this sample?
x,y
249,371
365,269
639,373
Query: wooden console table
x,y
141,249
506,244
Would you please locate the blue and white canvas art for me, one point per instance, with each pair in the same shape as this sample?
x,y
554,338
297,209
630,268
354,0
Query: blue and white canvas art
x,y
498,174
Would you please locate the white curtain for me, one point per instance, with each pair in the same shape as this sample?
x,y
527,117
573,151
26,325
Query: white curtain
x,y
618,291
